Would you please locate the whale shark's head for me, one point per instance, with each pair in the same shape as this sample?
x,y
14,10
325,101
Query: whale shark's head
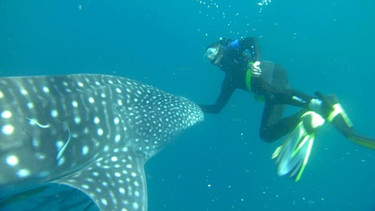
x,y
91,132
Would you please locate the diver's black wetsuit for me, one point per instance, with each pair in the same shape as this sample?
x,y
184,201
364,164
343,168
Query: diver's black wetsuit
x,y
234,62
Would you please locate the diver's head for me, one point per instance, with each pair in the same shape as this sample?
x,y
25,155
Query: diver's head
x,y
214,52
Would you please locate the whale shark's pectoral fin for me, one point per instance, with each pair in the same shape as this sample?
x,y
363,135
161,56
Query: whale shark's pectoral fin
x,y
113,182
90,132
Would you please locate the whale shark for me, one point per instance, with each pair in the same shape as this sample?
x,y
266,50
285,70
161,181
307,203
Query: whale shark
x,y
91,132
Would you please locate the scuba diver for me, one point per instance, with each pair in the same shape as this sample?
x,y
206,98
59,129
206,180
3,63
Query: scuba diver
x,y
241,62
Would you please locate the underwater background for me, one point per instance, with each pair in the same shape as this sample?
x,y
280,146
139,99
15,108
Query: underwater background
x,y
220,164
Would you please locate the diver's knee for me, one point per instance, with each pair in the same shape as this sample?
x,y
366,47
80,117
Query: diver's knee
x,y
266,136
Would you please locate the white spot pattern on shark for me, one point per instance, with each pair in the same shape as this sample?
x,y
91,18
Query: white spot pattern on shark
x,y
90,132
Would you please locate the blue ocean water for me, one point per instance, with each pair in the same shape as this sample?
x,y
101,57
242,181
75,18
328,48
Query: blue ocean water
x,y
221,164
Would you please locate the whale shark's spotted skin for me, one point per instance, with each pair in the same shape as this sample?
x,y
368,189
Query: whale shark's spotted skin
x,y
91,132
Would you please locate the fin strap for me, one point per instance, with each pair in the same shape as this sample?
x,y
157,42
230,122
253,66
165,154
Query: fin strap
x,y
337,109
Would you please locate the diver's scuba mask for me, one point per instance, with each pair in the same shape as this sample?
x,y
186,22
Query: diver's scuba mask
x,y
214,54
211,53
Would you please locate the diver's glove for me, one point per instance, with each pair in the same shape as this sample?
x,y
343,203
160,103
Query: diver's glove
x,y
255,68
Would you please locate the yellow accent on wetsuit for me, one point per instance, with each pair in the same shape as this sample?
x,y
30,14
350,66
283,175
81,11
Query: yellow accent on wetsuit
x,y
248,79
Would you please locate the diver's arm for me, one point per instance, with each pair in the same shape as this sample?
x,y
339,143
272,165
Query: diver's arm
x,y
223,98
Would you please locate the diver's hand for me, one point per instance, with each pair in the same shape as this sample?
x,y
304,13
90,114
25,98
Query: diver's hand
x,y
255,68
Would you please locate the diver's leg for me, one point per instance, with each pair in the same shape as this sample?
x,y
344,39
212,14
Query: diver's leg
x,y
331,110
273,128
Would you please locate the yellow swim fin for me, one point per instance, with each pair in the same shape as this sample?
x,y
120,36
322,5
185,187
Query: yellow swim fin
x,y
292,156
341,121
363,141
